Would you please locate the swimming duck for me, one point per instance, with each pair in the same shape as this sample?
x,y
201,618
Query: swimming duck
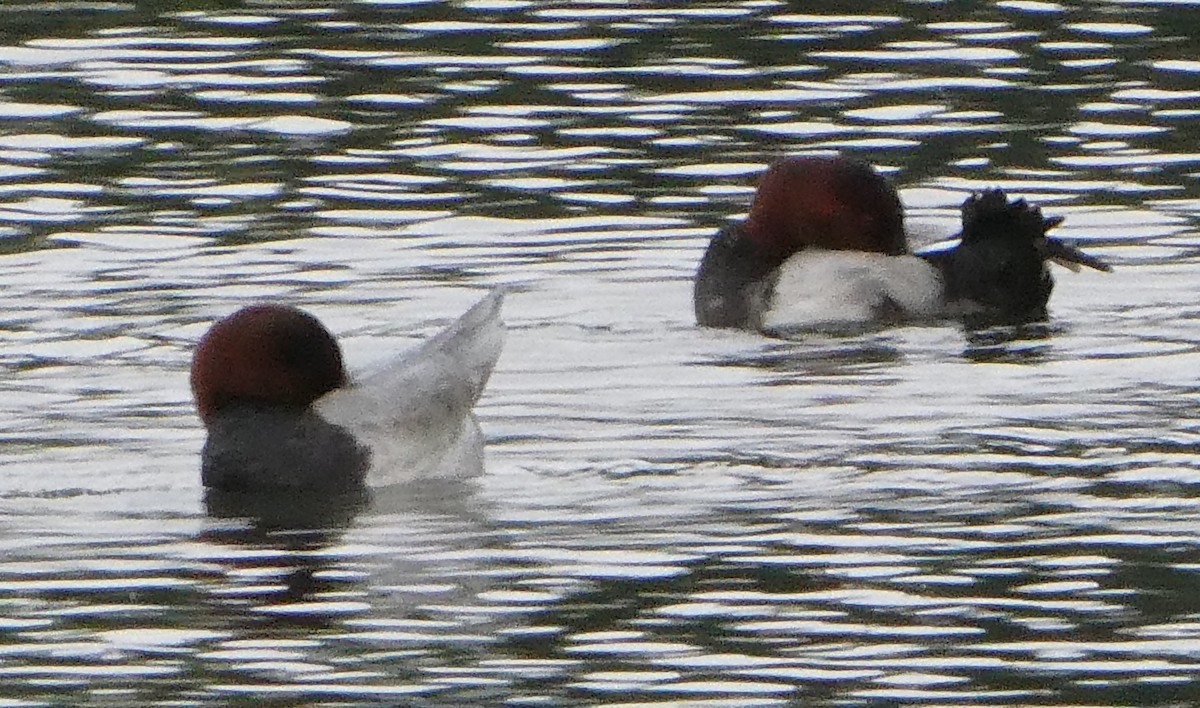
x,y
281,412
824,244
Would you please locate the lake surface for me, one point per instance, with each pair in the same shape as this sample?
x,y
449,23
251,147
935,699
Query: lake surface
x,y
669,516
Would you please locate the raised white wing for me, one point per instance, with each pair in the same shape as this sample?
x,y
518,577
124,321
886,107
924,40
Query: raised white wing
x,y
415,412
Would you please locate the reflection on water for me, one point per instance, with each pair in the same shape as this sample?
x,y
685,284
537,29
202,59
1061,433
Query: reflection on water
x,y
924,514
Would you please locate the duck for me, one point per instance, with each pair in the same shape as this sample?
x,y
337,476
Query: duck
x,y
281,413
824,245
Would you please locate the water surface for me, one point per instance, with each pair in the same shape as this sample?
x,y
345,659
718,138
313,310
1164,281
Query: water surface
x,y
670,516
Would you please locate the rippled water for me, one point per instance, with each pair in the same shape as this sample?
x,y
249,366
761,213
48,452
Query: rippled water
x,y
670,516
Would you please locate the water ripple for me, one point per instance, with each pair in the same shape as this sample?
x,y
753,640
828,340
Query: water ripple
x,y
915,514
